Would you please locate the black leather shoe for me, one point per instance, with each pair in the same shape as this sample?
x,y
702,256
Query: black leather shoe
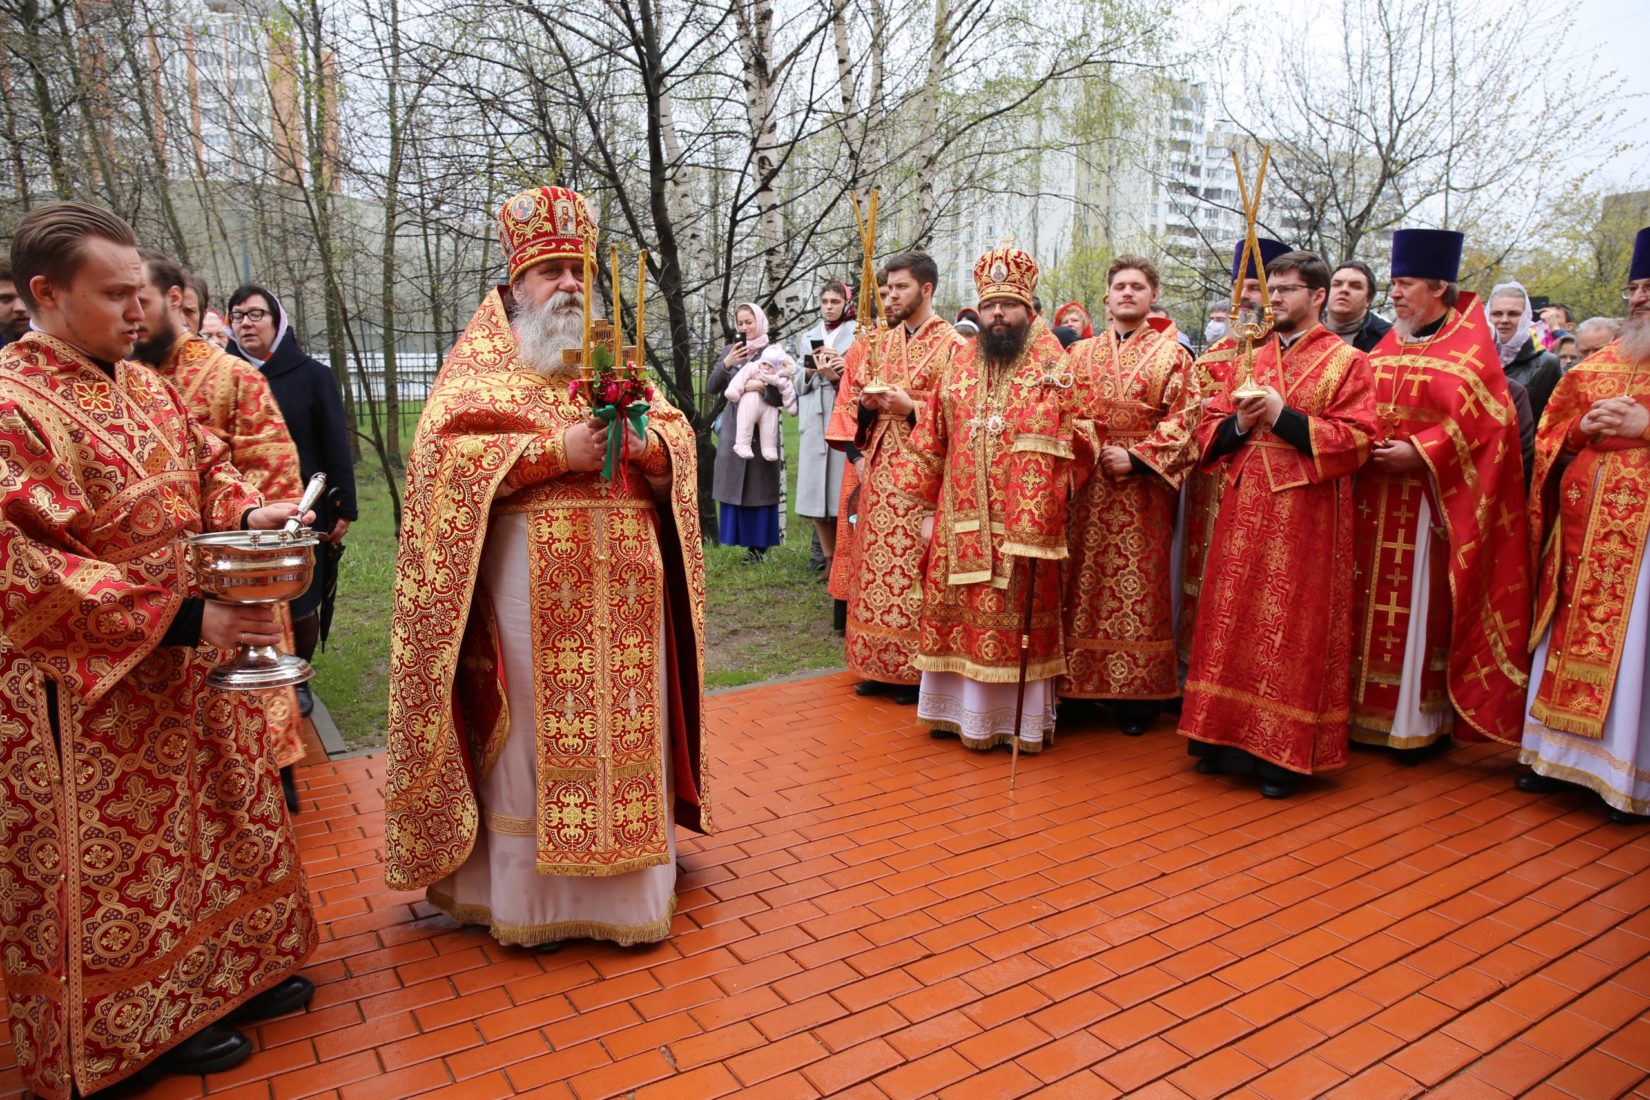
x,y
904,696
1207,765
942,735
290,996
1277,790
1535,783
289,789
213,1049
1134,719
1622,817
871,687
306,700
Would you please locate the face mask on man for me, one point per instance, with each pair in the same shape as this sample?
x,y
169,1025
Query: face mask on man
x,y
1213,331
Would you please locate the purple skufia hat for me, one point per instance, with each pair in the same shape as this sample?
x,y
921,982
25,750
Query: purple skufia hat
x,y
1427,254
1269,251
1640,267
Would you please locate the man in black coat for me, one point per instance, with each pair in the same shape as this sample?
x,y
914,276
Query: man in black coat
x,y
1346,313
313,410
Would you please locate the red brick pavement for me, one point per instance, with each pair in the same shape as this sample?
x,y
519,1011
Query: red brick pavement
x,y
880,917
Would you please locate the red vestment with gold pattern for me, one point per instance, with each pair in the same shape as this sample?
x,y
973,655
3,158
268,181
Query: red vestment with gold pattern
x,y
885,587
1213,372
1588,526
1271,658
231,399
616,588
149,882
1447,395
993,453
1140,394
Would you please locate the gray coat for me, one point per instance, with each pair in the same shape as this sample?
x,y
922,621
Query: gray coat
x,y
818,464
748,482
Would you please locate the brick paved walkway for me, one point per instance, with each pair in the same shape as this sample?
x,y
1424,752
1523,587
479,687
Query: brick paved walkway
x,y
880,917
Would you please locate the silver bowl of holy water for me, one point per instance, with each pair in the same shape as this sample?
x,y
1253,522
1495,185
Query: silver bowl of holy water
x,y
260,567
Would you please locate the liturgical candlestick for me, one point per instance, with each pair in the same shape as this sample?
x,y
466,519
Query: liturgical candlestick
x,y
618,314
589,289
641,303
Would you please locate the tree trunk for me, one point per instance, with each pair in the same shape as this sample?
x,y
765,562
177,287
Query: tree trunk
x,y
392,184
756,48
928,124
35,52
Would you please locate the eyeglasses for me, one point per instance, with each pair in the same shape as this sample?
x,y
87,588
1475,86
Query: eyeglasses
x,y
1285,288
1631,290
254,315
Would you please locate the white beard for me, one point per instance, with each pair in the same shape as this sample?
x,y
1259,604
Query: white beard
x,y
543,333
1634,342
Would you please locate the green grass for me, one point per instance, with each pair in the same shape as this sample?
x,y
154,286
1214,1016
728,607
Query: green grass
x,y
761,621
352,674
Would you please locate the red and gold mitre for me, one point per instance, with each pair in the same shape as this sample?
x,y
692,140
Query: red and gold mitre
x,y
1006,272
545,223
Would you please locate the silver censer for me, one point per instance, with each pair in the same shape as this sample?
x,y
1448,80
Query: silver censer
x,y
260,567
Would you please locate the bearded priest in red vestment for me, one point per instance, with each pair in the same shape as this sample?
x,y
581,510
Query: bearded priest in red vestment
x,y
991,463
1140,408
886,379
230,399
1588,724
547,643
1442,619
1267,688
150,890
1213,372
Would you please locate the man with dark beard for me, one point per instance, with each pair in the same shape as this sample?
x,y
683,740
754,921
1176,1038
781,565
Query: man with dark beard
x,y
231,399
544,732
1442,616
992,451
14,317
1589,530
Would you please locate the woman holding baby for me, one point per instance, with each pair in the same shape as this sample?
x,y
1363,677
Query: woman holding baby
x,y
759,381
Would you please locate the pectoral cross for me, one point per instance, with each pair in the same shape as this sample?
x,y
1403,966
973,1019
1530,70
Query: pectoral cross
x,y
992,424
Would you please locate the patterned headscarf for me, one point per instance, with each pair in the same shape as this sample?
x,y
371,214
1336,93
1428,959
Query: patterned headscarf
x,y
758,339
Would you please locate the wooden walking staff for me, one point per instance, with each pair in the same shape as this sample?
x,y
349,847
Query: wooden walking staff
x,y
1025,661
1257,328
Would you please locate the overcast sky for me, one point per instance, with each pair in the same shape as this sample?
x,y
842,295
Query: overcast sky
x,y
1606,27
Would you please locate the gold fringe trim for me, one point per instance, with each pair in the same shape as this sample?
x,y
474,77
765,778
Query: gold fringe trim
x,y
986,744
1621,800
1385,739
1041,444
986,674
1056,552
534,935
1565,722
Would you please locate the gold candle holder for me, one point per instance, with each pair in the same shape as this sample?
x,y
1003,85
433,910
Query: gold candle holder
x,y
641,304
618,314
585,373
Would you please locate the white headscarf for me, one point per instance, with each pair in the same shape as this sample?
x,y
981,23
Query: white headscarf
x,y
1520,338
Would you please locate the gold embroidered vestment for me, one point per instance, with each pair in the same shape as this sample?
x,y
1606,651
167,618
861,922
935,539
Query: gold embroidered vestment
x,y
149,883
617,592
1142,395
